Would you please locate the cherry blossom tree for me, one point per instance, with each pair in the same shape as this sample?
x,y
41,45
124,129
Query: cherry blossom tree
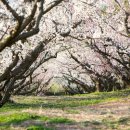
x,y
20,24
94,37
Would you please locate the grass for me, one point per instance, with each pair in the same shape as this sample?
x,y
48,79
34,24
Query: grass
x,y
110,123
16,118
54,110
115,123
65,101
60,120
124,120
38,127
71,111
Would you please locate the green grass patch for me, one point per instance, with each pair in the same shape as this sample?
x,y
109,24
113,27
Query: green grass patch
x,y
38,127
55,120
124,120
110,123
71,111
6,121
16,118
59,102
59,120
12,113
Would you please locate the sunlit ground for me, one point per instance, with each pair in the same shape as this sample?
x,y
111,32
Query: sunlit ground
x,y
96,111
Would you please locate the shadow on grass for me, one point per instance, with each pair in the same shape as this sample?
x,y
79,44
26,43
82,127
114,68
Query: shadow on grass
x,y
7,119
16,118
30,121
36,122
108,123
58,104
38,127
64,101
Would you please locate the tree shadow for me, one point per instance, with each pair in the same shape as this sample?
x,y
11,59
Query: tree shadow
x,y
34,122
62,102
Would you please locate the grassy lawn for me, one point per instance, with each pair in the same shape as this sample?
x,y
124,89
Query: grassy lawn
x,y
79,112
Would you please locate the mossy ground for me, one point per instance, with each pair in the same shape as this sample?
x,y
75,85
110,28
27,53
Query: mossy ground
x,y
79,112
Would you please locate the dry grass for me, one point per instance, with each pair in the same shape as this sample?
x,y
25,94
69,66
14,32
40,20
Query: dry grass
x,y
56,113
